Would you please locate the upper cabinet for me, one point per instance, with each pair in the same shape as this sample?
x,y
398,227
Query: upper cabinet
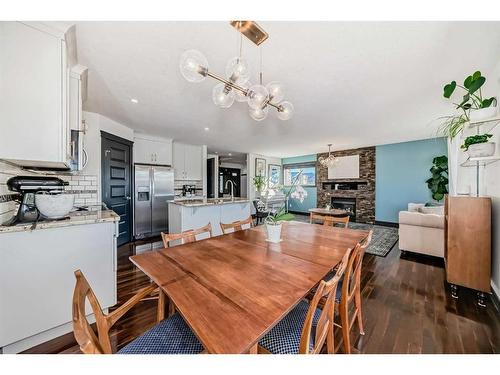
x,y
188,160
149,150
35,116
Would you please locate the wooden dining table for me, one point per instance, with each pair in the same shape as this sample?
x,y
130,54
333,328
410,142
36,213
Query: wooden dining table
x,y
232,289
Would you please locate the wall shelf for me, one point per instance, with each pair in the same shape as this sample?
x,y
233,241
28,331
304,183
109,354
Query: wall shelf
x,y
490,123
483,161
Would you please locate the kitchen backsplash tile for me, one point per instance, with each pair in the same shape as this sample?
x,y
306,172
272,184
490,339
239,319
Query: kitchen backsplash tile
x,y
83,186
178,186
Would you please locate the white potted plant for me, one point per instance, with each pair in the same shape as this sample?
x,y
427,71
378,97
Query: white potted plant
x,y
473,107
477,146
274,220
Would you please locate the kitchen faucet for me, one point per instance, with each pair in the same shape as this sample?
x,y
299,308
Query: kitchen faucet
x,y
232,188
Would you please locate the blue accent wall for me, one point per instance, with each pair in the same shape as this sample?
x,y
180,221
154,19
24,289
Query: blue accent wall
x,y
310,200
400,173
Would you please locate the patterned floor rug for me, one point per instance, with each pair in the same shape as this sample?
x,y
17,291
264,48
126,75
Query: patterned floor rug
x,y
383,240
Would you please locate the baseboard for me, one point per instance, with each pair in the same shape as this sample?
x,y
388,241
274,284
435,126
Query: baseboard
x,y
387,224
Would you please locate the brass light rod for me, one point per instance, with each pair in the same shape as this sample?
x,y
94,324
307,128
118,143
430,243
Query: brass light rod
x,y
237,87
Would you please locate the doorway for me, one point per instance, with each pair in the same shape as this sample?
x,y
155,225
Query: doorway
x,y
116,181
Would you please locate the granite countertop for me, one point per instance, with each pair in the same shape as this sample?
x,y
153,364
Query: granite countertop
x,y
95,214
209,202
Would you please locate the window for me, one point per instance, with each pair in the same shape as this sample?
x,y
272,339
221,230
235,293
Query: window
x,y
307,178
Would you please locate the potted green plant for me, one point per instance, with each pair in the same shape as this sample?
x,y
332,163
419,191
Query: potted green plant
x,y
259,182
274,220
438,183
478,146
472,107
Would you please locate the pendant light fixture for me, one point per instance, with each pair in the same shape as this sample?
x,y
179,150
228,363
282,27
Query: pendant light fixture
x,y
236,85
330,160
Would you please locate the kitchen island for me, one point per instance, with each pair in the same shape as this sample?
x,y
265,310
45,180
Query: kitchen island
x,y
37,265
192,214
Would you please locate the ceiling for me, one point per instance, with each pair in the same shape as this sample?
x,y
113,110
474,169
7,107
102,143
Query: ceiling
x,y
353,84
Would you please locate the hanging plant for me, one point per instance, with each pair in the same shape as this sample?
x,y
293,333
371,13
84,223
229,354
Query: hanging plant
x,y
438,183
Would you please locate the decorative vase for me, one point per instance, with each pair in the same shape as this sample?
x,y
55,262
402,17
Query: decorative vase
x,y
273,232
482,114
480,150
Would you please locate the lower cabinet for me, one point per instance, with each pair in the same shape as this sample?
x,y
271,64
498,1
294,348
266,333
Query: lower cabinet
x,y
37,279
468,243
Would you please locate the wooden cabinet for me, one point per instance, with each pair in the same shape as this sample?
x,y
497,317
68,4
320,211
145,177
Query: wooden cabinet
x,y
34,107
468,243
187,161
152,151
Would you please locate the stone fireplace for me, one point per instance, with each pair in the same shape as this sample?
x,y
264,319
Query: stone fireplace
x,y
347,204
358,194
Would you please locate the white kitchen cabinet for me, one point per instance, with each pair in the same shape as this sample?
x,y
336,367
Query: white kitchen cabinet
x,y
152,151
37,279
34,80
187,161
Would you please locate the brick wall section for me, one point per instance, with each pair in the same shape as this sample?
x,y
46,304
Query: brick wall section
x,y
365,197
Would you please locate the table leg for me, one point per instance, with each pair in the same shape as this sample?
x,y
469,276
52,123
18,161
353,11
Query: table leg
x,y
253,349
162,299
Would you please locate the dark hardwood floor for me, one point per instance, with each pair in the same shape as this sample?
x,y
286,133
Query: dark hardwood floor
x,y
406,303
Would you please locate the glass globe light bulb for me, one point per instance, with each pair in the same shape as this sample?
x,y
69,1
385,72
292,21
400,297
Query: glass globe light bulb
x,y
257,95
286,111
222,97
238,95
276,91
193,65
237,70
258,114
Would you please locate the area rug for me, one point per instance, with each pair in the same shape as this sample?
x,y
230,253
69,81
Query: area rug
x,y
383,239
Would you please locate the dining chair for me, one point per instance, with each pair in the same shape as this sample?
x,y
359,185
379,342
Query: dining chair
x,y
187,236
333,221
236,225
170,336
350,291
306,328
314,217
260,210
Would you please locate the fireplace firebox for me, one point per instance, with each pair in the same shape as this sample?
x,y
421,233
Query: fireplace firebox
x,y
347,204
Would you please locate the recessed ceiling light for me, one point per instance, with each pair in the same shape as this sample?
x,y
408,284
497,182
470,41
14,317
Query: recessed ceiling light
x,y
207,129
135,101
230,154
215,152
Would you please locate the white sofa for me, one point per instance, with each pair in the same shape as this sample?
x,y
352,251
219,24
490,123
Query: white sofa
x,y
421,230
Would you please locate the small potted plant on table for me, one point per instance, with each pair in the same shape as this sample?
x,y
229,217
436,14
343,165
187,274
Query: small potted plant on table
x,y
274,219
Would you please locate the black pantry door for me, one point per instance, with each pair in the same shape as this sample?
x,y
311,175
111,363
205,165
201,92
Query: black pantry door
x,y
116,167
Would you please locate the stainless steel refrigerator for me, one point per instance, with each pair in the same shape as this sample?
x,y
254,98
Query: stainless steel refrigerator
x,y
154,187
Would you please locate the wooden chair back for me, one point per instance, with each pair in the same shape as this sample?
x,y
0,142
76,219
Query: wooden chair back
x,y
324,326
352,277
89,342
236,225
316,217
187,236
332,220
